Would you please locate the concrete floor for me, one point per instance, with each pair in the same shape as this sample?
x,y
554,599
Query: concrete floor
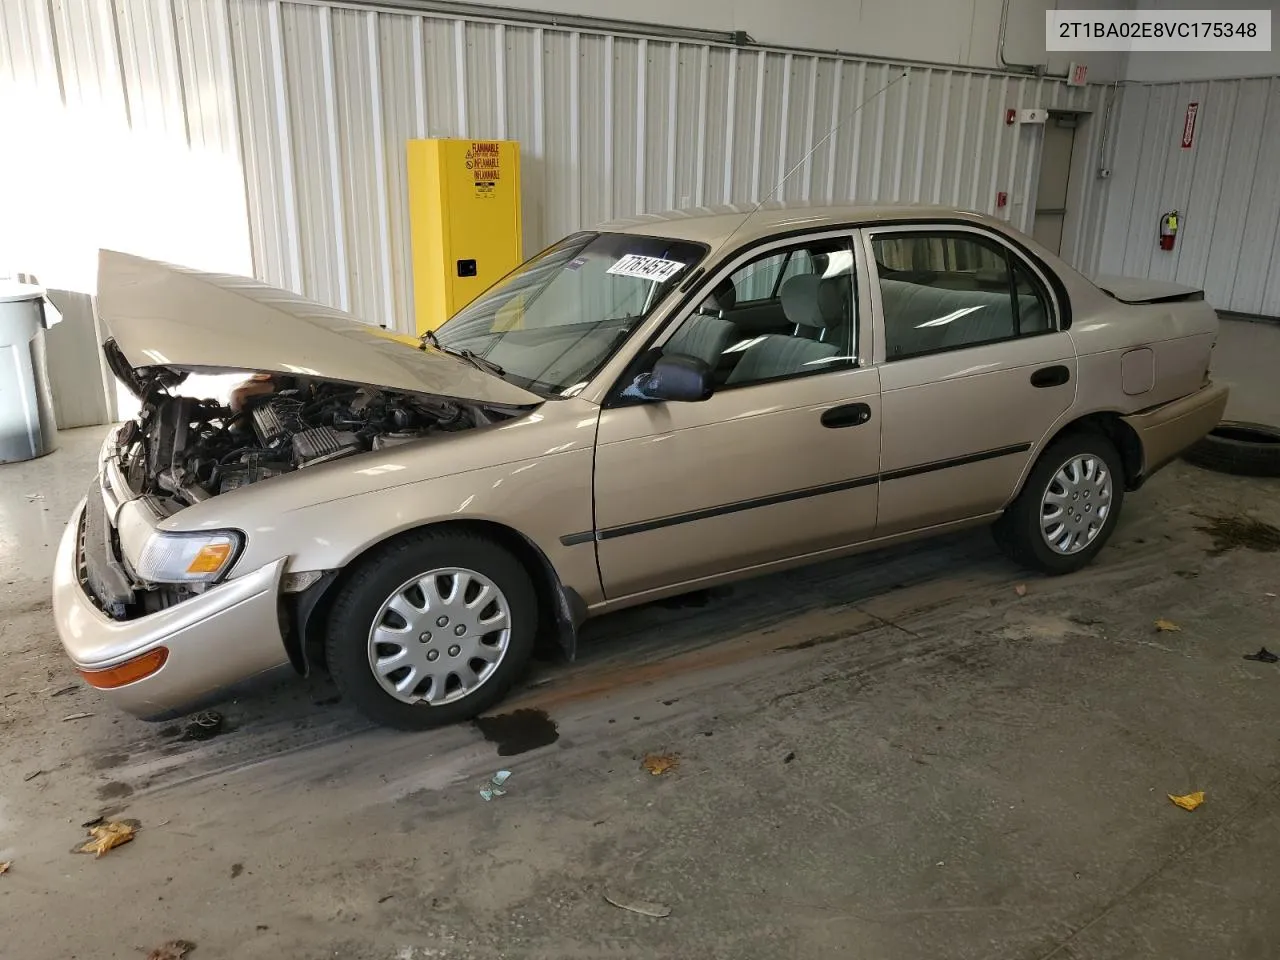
x,y
898,756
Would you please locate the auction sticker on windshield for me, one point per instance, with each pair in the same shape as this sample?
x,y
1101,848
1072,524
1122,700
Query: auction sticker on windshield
x,y
646,268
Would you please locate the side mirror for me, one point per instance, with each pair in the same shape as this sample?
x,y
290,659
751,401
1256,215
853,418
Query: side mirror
x,y
680,378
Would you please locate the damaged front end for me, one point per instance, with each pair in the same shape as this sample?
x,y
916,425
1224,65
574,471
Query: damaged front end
x,y
182,450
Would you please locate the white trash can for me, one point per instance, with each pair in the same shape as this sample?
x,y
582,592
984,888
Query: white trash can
x,y
27,426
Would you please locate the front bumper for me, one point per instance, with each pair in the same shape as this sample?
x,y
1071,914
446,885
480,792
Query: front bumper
x,y
221,637
1171,428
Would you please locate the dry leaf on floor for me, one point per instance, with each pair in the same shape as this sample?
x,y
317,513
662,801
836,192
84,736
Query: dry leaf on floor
x,y
5,865
1020,590
642,907
660,763
1167,626
173,950
108,836
1189,801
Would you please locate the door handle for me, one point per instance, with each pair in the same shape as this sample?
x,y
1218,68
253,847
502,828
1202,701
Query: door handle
x,y
1054,376
848,415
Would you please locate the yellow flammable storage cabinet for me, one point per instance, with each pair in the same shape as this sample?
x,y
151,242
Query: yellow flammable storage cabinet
x,y
464,220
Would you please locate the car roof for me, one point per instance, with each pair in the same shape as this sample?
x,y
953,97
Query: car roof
x,y
744,223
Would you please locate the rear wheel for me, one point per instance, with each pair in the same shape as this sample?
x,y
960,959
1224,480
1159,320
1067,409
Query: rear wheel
x,y
1068,506
431,630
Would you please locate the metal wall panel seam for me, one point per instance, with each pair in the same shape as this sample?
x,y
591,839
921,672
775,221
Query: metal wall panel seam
x,y
833,135
921,136
757,150
1016,139
673,89
500,80
1237,255
860,102
989,206
419,79
729,123
460,74
700,163
335,162
810,121
877,149
784,111
608,127
944,114
981,132
900,148
642,108
288,188
575,125
380,173
962,127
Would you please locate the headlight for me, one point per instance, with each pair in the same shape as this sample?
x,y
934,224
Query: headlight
x,y
186,557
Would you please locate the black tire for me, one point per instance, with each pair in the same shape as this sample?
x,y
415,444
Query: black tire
x,y
377,577
1240,448
1018,533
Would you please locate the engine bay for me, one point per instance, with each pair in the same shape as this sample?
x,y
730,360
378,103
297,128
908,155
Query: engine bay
x,y
184,449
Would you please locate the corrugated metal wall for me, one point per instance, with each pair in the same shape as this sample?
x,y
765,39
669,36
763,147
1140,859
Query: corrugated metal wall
x,y
1226,187
316,101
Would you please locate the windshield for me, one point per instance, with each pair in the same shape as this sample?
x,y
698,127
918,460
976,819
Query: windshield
x,y
553,322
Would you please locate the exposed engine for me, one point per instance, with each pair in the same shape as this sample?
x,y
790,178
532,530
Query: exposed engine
x,y
190,449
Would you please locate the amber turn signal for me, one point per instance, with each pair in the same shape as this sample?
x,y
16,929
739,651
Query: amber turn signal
x,y
139,668
210,558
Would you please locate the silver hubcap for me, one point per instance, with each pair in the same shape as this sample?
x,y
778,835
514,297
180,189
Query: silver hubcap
x,y
439,636
1076,504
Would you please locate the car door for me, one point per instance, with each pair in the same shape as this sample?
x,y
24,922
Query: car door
x,y
974,367
780,461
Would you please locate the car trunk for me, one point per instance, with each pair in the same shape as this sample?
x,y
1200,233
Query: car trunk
x,y
1135,290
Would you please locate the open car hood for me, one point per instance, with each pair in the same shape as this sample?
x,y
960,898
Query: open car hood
x,y
162,315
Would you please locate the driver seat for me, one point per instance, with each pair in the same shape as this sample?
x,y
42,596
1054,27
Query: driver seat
x,y
813,307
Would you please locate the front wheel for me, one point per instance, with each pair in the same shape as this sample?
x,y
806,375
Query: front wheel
x,y
431,630
1068,506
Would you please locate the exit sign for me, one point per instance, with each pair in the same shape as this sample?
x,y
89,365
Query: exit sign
x,y
1077,74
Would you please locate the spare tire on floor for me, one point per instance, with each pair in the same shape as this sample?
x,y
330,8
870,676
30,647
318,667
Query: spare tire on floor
x,y
1244,449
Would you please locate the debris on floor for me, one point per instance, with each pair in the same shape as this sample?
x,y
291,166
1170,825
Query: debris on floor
x,y
1167,626
1189,801
203,726
35,496
494,787
32,775
1262,656
643,907
65,690
660,763
108,836
77,716
1020,589
173,950
4,866
789,757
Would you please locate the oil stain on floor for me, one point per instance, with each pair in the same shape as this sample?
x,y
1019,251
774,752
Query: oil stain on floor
x,y
1231,532
519,731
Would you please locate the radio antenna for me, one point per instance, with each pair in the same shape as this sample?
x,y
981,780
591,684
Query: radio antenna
x,y
803,160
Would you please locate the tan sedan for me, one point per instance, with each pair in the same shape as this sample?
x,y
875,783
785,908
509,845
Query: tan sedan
x,y
657,406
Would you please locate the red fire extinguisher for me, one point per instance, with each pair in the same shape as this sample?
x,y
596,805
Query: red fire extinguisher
x,y
1168,230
